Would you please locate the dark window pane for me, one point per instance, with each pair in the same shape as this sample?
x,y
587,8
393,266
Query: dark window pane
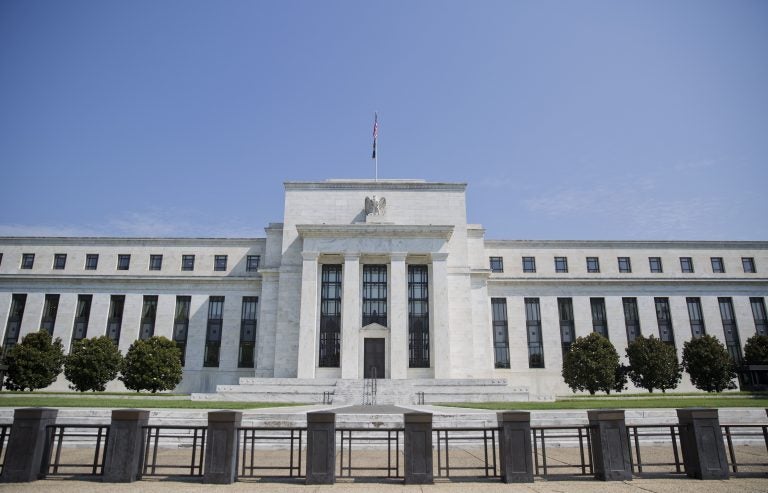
x,y
59,261
561,264
123,262
500,332
91,261
50,309
497,264
220,263
27,260
418,317
686,264
375,294
533,331
625,265
664,319
252,263
717,265
599,319
330,316
593,264
155,262
696,317
631,319
749,264
187,262
655,264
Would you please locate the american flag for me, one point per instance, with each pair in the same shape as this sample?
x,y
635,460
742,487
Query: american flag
x,y
375,133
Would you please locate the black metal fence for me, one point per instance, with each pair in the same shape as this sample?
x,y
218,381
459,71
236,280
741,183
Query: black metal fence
x,y
367,442
182,454
742,432
544,460
75,450
464,444
262,452
661,438
5,431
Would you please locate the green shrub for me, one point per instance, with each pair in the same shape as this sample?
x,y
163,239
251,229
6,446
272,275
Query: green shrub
x,y
153,364
35,362
92,363
591,364
653,364
756,350
708,363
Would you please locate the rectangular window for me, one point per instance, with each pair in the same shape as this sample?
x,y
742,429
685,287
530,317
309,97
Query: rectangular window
x,y
91,261
625,265
664,319
533,330
561,264
187,262
759,314
567,334
247,352
686,265
213,331
330,316
631,318
50,309
718,267
749,264
593,264
655,264
82,314
1,258
148,316
497,264
181,325
13,327
155,262
696,317
418,316
500,332
252,263
27,260
115,317
123,262
220,263
730,329
529,264
599,319
375,294
59,261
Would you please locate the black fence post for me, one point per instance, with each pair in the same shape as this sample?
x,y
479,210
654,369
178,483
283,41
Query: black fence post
x,y
125,444
515,447
25,457
221,447
610,445
701,441
418,448
321,448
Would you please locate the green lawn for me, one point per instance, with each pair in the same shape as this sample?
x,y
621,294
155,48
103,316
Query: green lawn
x,y
93,400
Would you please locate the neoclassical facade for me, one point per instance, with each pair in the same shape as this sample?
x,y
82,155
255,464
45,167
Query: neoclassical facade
x,y
380,279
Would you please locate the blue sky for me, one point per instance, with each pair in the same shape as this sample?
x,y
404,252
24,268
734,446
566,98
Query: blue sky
x,y
568,120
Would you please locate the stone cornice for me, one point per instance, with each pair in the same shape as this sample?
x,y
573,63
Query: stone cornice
x,y
102,279
443,232
370,185
627,280
114,241
629,244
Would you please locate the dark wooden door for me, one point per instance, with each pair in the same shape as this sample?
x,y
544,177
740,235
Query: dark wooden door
x,y
373,360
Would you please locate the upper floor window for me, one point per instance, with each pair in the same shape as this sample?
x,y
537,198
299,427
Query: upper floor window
x,y
593,264
500,332
91,261
59,261
655,264
696,317
123,262
375,294
529,264
686,264
625,265
27,260
252,263
187,262
1,258
561,264
749,264
220,262
497,264
717,265
155,262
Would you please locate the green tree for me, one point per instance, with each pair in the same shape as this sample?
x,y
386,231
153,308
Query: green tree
x,y
756,350
708,363
35,362
153,364
92,363
591,364
653,364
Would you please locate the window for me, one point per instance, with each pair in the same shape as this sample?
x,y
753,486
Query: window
x,y
220,264
599,319
497,264
631,319
50,309
664,319
13,327
533,330
730,330
245,357
625,265
91,261
655,264
565,310
500,332
27,260
252,263
181,325
1,258
418,316
155,262
759,314
115,317
593,264
213,331
749,264
330,316
696,317
529,264
561,264
717,265
375,294
123,262
187,262
686,264
148,315
82,314
59,261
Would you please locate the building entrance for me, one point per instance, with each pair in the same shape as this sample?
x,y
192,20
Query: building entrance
x,y
373,358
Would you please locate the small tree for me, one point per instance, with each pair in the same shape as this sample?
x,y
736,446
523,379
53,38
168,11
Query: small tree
x,y
35,362
92,363
591,364
620,378
653,364
756,350
708,363
153,364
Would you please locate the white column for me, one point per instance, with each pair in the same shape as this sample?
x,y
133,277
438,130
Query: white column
x,y
308,316
33,311
441,355
350,316
398,316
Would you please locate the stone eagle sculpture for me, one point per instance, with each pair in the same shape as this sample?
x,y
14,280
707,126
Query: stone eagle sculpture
x,y
374,206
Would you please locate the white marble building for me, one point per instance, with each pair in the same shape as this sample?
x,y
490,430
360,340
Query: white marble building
x,y
383,277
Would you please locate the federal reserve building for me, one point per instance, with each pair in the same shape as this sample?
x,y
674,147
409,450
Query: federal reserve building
x,y
381,280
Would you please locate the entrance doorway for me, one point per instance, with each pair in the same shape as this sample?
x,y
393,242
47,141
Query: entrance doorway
x,y
373,358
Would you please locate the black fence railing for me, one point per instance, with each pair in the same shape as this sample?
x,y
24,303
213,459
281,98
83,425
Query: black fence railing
x,y
745,432
543,462
263,454
5,431
661,438
367,444
182,452
75,450
470,449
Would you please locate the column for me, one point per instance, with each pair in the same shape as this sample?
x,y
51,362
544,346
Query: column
x,y
441,354
308,316
398,316
350,316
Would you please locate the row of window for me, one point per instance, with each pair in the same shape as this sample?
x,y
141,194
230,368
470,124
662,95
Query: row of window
x,y
631,322
124,262
214,327
625,264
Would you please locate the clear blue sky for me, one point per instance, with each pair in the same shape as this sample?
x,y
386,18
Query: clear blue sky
x,y
568,120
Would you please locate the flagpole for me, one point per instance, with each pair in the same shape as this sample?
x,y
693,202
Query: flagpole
x,y
376,158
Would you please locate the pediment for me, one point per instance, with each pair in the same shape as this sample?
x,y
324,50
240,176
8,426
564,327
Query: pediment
x,y
374,326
